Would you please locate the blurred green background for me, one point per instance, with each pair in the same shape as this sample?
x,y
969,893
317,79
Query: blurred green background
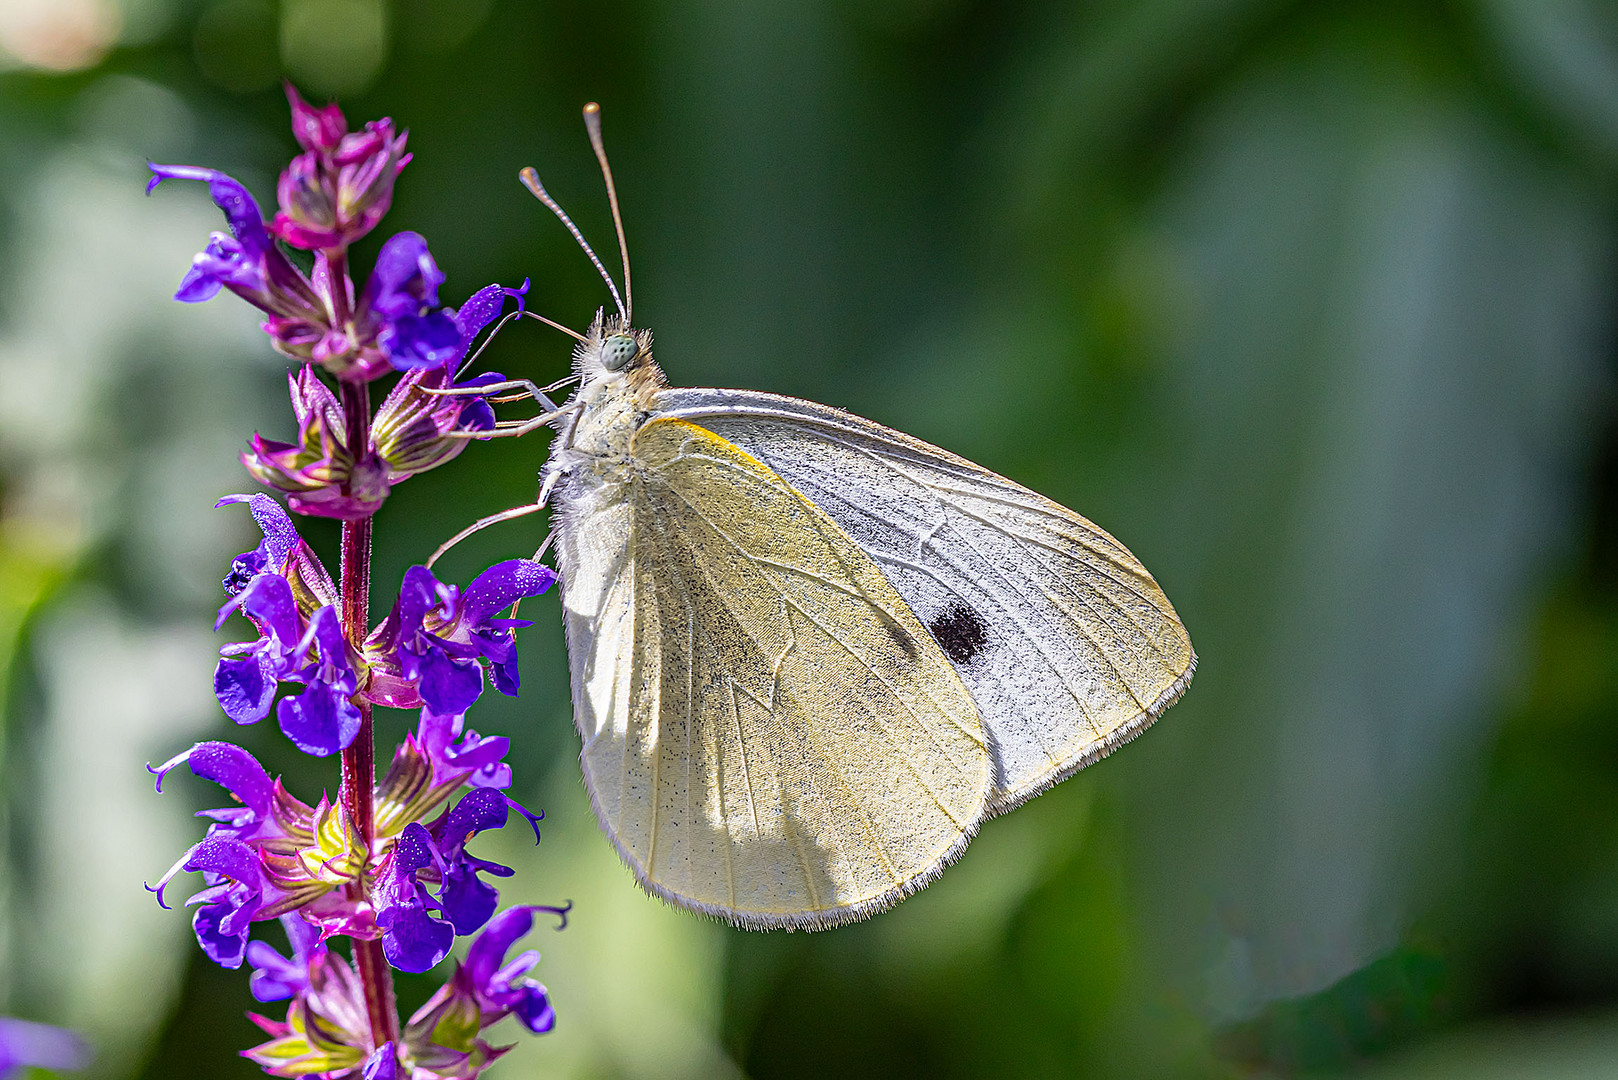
x,y
1310,304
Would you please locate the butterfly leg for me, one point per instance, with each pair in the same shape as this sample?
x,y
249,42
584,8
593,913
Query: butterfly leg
x,y
483,523
511,428
534,392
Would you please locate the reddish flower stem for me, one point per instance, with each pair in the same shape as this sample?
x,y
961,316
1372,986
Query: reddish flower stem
x,y
337,270
359,760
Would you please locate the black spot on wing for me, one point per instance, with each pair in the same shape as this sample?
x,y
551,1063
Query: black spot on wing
x,y
959,632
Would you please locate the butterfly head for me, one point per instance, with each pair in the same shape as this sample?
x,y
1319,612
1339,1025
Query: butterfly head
x,y
613,352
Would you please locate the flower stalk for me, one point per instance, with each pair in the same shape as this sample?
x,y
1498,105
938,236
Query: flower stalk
x,y
387,864
358,781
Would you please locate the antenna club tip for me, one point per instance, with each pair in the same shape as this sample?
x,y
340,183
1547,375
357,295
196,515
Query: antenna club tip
x,y
591,108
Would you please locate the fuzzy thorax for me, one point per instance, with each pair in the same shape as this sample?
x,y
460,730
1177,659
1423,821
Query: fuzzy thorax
x,y
618,382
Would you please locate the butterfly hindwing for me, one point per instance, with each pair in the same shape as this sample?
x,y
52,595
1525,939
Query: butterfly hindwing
x,y
770,734
1065,641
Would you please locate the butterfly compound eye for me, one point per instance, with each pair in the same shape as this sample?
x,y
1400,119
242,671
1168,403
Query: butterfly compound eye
x,y
617,351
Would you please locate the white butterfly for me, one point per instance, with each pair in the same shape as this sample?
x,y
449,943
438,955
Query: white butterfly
x,y
811,654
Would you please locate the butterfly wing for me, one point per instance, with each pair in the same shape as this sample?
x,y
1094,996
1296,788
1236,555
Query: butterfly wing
x,y
770,735
1067,644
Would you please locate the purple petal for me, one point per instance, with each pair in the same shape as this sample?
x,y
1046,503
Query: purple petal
x,y
245,688
304,938
484,306
274,978
235,770
320,721
476,415
222,263
501,585
484,957
412,940
225,912
280,535
383,1064
481,756
223,939
467,900
534,1010
241,211
413,851
24,1043
269,602
418,594
488,950
421,341
506,679
448,685
325,634
484,808
405,278
229,857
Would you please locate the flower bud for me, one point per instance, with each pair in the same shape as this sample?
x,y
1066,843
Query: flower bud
x,y
340,186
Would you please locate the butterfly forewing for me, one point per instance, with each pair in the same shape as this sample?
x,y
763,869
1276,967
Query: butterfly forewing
x,y
1065,641
770,734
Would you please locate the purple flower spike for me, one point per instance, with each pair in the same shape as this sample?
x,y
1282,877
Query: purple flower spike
x,y
24,1044
332,194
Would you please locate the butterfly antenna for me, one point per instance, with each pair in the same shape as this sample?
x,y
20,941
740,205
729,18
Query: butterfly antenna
x,y
530,180
553,324
592,123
